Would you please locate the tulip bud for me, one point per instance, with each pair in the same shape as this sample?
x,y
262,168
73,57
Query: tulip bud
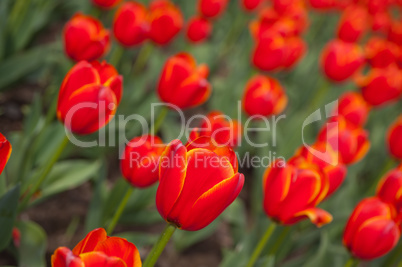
x,y
131,26
221,128
350,141
371,231
98,249
353,23
389,189
353,108
340,60
250,5
381,86
394,139
166,21
140,160
106,4
198,29
89,96
291,193
381,53
212,8
264,96
85,38
197,183
183,83
5,152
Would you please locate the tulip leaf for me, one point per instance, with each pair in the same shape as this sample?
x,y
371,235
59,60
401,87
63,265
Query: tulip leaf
x,y
33,245
8,213
33,116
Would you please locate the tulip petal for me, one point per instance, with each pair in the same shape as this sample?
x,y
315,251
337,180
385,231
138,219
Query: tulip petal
x,y
120,248
116,85
89,243
317,216
99,259
64,257
5,152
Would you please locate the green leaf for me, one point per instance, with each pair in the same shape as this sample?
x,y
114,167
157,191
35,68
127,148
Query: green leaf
x,y
8,213
33,245
33,115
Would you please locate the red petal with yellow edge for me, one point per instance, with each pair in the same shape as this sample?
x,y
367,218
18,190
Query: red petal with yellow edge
x,y
122,249
204,170
80,75
367,208
389,188
317,216
89,109
211,204
99,259
64,257
116,85
5,152
192,92
89,243
375,238
105,71
172,172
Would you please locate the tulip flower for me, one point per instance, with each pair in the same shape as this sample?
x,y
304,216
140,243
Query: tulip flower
x,y
381,53
292,192
389,189
350,141
340,60
89,96
395,32
183,83
250,5
85,38
353,108
106,4
221,128
131,26
381,86
264,96
394,139
371,231
140,160
166,20
326,159
98,249
5,152
381,22
212,8
196,183
198,29
353,23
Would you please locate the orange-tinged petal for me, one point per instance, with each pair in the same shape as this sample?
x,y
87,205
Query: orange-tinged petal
x,y
317,216
120,248
89,243
99,259
64,257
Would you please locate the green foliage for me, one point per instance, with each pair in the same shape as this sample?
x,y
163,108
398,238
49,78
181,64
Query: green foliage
x,y
8,213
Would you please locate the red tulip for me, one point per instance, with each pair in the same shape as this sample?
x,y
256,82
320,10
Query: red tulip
x,y
196,183
350,141
183,83
395,32
353,108
353,23
381,86
340,60
140,160
394,139
381,22
221,128
264,96
5,152
389,189
326,159
85,38
291,193
371,231
212,8
131,26
250,5
381,53
106,3
166,21
97,249
89,96
199,29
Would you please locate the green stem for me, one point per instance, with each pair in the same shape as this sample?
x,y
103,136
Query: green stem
x,y
143,56
115,58
351,262
159,120
45,171
159,246
279,241
119,210
261,244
